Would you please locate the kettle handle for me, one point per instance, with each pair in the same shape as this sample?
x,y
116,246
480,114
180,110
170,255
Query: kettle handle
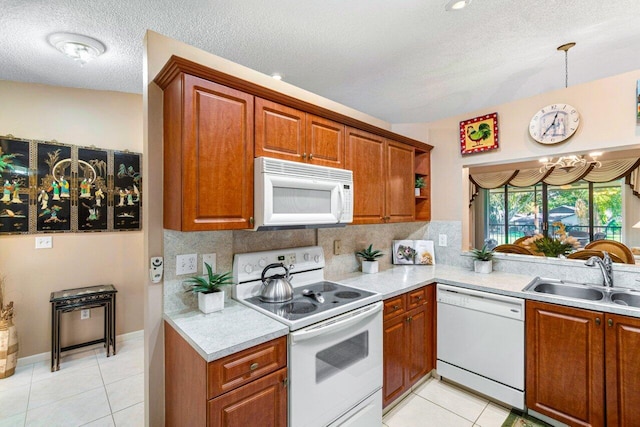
x,y
276,264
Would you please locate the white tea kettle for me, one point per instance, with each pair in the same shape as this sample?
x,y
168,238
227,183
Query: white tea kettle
x,y
276,288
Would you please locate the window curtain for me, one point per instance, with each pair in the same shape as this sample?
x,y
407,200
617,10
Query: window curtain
x,y
610,170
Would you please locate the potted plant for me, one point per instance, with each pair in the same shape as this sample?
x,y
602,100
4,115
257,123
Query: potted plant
x,y
483,260
209,289
369,262
419,184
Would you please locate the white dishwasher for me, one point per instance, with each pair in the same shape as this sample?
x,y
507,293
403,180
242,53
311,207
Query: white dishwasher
x,y
480,342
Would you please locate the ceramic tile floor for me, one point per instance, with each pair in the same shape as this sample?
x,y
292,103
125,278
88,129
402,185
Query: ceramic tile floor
x,y
439,404
88,390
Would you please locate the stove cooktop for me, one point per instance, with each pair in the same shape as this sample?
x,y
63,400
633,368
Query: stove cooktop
x,y
319,299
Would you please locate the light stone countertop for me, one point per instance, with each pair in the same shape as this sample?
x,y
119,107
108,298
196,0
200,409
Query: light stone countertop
x,y
235,328
400,279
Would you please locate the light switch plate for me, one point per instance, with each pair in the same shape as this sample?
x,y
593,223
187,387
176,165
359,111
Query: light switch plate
x,y
44,242
442,240
186,264
209,259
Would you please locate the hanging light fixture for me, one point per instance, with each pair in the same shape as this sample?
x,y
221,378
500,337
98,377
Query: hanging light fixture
x,y
80,48
566,163
456,5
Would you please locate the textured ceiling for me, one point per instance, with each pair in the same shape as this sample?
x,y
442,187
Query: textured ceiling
x,y
401,61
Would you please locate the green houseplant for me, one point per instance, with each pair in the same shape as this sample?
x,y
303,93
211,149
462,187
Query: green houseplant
x,y
209,289
419,184
483,262
369,259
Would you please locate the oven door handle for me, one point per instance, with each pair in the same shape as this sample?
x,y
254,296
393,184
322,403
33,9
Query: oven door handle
x,y
337,324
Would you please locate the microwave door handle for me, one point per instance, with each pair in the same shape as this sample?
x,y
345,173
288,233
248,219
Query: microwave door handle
x,y
336,325
341,193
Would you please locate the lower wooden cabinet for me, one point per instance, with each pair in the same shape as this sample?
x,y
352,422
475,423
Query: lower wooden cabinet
x,y
242,389
408,341
578,360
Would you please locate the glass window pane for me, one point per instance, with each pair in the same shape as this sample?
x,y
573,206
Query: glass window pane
x,y
525,206
495,216
607,210
569,205
339,357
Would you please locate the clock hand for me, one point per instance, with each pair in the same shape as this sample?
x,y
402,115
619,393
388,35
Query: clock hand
x,y
551,125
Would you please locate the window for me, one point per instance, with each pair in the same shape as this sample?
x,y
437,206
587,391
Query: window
x,y
589,211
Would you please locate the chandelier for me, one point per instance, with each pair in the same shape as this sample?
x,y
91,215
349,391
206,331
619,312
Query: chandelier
x,y
567,163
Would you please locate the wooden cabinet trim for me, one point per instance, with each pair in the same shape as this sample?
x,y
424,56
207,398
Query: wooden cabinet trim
x,y
235,370
176,65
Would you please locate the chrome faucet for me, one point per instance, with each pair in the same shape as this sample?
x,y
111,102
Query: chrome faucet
x,y
605,265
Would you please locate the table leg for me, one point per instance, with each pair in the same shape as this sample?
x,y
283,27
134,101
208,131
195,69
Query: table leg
x,y
113,323
58,346
53,336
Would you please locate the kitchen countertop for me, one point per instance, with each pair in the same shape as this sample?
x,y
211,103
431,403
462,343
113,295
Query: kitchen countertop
x,y
235,328
400,279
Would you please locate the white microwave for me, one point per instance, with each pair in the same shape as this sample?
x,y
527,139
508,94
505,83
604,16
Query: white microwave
x,y
299,195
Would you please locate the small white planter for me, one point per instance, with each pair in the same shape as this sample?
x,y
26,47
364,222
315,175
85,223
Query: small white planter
x,y
417,191
482,266
370,267
208,303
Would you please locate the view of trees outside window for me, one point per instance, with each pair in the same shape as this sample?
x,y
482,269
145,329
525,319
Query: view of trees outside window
x,y
568,204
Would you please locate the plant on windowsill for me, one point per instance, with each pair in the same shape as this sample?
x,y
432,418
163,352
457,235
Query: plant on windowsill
x,y
483,262
209,289
557,246
369,261
419,184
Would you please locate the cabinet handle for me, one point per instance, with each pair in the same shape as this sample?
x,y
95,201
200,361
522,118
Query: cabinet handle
x,y
253,366
409,319
610,322
310,156
418,297
396,307
304,155
285,382
251,221
598,321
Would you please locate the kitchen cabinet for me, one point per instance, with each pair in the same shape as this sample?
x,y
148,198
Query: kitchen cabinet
x,y
245,388
423,170
208,155
286,133
571,354
383,178
408,340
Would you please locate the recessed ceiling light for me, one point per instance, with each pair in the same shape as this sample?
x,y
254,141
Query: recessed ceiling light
x,y
77,47
277,76
456,4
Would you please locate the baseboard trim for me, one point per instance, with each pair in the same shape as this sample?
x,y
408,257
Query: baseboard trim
x,y
42,357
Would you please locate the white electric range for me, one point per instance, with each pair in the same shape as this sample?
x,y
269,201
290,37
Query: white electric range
x,y
335,344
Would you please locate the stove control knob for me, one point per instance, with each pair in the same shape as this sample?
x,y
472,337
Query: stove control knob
x,y
306,257
248,268
262,262
316,258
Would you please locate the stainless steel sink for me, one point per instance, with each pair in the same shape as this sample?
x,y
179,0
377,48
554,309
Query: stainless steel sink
x,y
569,290
629,299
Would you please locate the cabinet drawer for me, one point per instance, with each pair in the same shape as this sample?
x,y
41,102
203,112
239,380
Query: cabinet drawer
x,y
416,298
394,307
245,366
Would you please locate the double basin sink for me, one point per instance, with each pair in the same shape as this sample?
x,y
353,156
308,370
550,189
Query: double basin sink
x,y
585,292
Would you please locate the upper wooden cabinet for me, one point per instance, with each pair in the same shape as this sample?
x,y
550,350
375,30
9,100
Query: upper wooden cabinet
x,y
383,178
423,169
289,134
208,156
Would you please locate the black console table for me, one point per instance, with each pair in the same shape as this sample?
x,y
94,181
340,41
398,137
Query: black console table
x,y
78,299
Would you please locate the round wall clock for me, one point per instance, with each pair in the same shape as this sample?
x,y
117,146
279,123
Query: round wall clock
x,y
554,123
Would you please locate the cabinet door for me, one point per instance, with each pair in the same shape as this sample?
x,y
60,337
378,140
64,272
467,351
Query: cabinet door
x,y
216,159
262,402
325,142
394,359
623,370
565,363
365,154
279,131
418,343
400,180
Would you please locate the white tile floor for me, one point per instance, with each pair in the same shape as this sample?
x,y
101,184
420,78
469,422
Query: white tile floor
x,y
440,404
88,390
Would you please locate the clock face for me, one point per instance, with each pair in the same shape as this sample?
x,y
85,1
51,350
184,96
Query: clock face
x,y
554,123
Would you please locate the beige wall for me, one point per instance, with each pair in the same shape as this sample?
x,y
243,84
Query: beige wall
x,y
110,120
607,108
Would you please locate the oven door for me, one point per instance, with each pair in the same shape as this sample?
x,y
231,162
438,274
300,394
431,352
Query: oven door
x,y
334,365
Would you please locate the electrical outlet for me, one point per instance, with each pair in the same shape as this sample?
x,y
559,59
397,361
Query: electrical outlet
x,y
442,240
44,242
186,264
85,314
337,247
209,259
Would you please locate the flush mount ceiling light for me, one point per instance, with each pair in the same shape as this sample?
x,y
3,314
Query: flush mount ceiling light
x,y
566,163
456,4
77,47
277,76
